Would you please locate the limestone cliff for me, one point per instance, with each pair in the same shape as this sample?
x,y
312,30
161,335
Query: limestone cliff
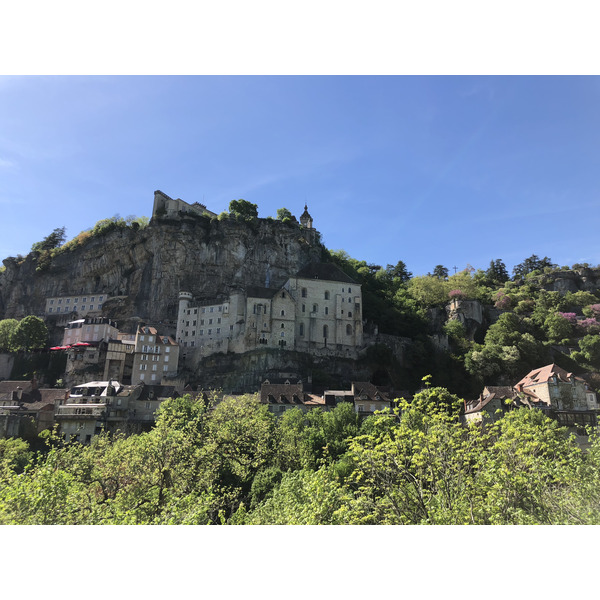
x,y
143,270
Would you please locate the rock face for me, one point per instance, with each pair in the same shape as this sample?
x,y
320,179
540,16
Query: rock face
x,y
469,313
143,270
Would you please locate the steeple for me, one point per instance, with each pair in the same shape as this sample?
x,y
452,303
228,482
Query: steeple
x,y
306,220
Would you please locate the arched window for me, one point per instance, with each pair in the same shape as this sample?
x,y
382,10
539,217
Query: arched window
x,y
349,313
282,313
315,308
348,329
283,326
302,329
326,295
304,292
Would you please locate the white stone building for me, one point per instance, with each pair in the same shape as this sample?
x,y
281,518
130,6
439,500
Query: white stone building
x,y
90,329
319,310
82,304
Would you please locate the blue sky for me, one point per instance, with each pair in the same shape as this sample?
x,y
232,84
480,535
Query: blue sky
x,y
450,170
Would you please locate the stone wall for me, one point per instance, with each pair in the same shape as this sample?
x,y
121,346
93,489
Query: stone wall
x,y
6,364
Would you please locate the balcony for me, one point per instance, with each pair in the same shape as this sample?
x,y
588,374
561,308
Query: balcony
x,y
80,412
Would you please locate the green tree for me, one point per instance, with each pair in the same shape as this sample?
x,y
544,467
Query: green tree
x,y
589,352
557,328
399,272
30,334
7,333
440,272
54,240
533,263
497,272
428,290
283,214
243,209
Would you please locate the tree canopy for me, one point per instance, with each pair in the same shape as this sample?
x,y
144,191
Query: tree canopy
x,y
54,240
243,209
30,334
238,464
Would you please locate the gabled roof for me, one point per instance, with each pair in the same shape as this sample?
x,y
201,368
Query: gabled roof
x,y
260,292
280,392
32,398
543,375
491,392
158,392
373,393
7,387
145,330
324,271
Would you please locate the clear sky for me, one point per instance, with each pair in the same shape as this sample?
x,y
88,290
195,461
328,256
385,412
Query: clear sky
x,y
450,170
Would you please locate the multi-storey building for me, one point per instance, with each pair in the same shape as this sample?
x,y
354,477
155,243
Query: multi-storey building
x,y
319,310
80,304
99,406
155,357
90,329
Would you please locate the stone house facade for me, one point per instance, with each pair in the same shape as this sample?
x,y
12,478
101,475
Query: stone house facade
x,y
492,399
81,304
89,329
97,406
155,357
26,409
552,389
561,394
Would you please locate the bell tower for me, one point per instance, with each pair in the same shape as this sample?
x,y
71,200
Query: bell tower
x,y
306,220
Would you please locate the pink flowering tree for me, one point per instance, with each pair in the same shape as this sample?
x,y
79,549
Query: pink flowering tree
x,y
593,310
569,316
502,301
455,294
589,326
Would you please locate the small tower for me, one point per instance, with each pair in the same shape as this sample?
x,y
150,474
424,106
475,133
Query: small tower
x,y
185,298
306,220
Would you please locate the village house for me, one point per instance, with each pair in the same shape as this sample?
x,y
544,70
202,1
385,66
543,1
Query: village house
x,y
26,409
282,396
492,399
559,394
99,406
89,329
369,398
119,359
562,395
365,397
155,357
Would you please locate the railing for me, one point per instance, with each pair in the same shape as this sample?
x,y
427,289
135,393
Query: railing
x,y
80,412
